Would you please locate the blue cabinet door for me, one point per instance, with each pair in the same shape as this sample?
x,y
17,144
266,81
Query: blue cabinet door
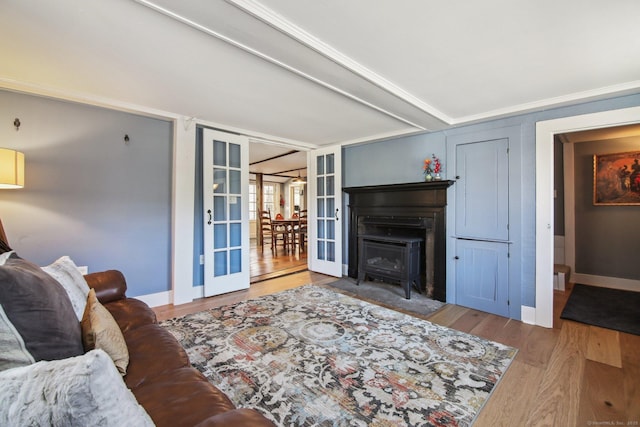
x,y
482,190
482,275
482,225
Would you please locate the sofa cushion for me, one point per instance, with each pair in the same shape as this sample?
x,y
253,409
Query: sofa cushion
x,y
100,330
79,391
181,396
40,310
65,271
237,417
152,351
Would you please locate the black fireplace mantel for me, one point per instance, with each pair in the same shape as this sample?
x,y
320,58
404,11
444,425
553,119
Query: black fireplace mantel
x,y
411,200
409,186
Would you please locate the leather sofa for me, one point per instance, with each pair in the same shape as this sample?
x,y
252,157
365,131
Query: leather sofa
x,y
159,373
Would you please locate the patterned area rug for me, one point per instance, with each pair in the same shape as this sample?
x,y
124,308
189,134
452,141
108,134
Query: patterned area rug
x,y
311,356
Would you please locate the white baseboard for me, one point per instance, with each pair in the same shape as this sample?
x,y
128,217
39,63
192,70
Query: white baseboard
x,y
528,315
606,282
157,299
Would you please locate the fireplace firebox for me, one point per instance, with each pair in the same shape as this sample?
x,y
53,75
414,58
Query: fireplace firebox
x,y
394,258
401,215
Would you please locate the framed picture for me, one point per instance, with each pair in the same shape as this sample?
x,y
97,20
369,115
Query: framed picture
x,y
616,179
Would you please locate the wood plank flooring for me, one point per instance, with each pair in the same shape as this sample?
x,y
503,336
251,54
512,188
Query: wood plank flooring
x,y
571,375
266,264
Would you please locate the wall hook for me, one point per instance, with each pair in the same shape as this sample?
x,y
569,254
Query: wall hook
x,y
17,123
126,139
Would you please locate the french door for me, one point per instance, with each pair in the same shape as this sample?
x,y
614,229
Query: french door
x,y
226,216
325,216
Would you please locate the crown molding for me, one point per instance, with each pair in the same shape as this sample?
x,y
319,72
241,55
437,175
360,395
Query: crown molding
x,y
84,98
142,110
572,98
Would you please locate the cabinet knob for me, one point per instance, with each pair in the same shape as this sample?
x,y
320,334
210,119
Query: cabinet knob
x,y
457,176
456,257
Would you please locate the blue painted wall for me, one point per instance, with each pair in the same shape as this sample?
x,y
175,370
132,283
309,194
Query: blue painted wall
x,y
400,160
89,195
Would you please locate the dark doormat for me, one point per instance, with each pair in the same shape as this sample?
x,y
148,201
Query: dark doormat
x,y
608,308
388,295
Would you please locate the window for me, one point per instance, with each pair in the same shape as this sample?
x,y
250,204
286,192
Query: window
x,y
252,202
268,199
296,198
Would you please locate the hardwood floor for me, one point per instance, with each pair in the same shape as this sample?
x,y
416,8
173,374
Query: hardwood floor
x,y
571,375
266,264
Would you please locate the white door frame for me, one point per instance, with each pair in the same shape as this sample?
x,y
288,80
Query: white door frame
x,y
545,132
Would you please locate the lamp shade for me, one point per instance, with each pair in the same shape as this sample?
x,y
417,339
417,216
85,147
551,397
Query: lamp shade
x,y
11,168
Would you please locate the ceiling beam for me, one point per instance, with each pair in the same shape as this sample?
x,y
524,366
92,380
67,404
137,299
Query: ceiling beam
x,y
288,153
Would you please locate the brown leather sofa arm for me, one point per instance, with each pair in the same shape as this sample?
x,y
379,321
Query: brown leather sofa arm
x,y
237,417
109,285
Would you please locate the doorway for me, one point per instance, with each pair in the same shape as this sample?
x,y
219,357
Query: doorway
x,y
585,227
277,176
546,131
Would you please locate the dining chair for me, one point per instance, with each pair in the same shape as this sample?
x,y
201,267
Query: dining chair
x,y
300,230
266,231
274,233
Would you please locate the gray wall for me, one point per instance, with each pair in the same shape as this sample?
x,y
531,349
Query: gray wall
x,y
400,160
88,194
607,237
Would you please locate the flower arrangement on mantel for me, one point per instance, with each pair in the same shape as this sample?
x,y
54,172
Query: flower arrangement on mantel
x,y
432,168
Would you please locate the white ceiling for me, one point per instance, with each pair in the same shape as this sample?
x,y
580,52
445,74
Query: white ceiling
x,y
311,73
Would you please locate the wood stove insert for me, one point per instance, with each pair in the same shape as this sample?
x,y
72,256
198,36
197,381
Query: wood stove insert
x,y
414,210
395,258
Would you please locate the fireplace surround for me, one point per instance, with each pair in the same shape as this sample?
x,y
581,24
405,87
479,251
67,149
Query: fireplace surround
x,y
411,211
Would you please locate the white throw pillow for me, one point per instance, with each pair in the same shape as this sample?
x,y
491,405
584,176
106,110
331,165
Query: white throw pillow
x,y
84,390
4,256
13,351
65,271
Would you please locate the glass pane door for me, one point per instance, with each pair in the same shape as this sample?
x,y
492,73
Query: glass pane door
x,y
226,201
325,208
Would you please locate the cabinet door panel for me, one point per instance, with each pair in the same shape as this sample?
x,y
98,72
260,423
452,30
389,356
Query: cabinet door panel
x,y
482,190
482,276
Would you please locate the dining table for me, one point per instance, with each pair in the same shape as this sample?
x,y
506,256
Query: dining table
x,y
289,224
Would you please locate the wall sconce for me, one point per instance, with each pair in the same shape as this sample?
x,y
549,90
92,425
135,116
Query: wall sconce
x,y
11,169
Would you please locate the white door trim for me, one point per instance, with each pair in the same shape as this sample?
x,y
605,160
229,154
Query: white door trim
x,y
545,131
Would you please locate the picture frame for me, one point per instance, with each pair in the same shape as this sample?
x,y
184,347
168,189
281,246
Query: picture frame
x,y
616,179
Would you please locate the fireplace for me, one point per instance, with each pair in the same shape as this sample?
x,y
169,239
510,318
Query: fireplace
x,y
405,216
395,258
